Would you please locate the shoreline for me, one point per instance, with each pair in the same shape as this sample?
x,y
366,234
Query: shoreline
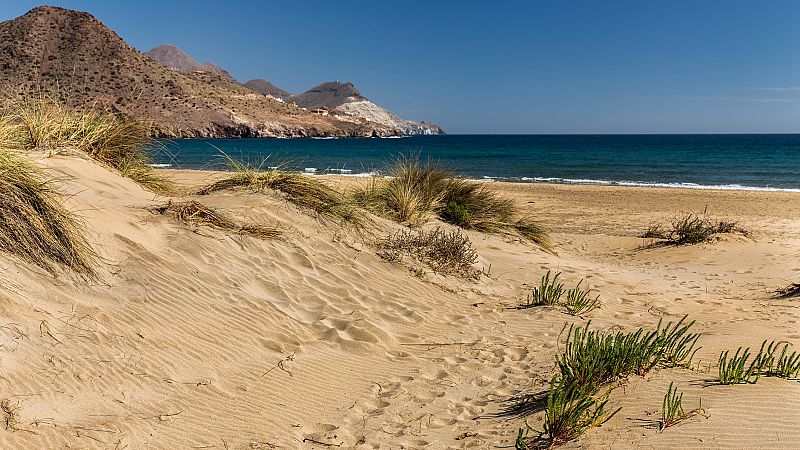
x,y
545,181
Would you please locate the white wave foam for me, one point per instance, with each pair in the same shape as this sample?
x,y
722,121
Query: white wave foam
x,y
160,165
583,181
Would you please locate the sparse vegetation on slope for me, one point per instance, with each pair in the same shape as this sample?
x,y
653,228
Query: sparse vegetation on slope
x,y
414,191
301,190
36,226
690,229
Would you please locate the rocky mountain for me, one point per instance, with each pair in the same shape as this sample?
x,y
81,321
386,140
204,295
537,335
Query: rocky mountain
x,y
176,59
264,87
71,55
344,98
328,95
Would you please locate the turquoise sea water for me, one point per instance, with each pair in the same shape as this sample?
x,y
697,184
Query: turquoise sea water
x,y
768,162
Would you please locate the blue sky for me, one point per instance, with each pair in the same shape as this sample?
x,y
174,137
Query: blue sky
x,y
502,66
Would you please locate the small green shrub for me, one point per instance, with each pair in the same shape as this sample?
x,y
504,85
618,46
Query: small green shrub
x,y
571,410
736,370
548,293
592,358
788,365
415,191
457,214
672,409
578,301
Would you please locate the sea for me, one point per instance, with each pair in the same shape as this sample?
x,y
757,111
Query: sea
x,y
697,161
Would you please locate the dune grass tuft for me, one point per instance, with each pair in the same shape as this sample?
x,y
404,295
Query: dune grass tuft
x,y
301,190
444,252
690,229
197,214
38,122
35,225
411,193
414,191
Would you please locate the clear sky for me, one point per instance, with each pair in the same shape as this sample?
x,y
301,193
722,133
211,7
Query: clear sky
x,y
502,66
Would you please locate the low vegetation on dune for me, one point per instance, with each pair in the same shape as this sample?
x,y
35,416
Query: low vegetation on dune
x,y
298,189
690,229
414,191
37,122
738,368
672,411
550,292
197,214
444,252
592,360
36,226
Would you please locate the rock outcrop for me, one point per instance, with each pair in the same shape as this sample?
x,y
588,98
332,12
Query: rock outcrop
x,y
344,98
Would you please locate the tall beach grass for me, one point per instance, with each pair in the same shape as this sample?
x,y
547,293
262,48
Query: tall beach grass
x,y
301,190
35,225
38,122
415,191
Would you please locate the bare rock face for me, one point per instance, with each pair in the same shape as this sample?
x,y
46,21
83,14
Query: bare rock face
x,y
344,98
376,114
74,57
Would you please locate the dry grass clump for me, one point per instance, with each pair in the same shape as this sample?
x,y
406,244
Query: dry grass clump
x,y
37,122
35,225
792,290
414,191
197,214
445,252
299,189
690,229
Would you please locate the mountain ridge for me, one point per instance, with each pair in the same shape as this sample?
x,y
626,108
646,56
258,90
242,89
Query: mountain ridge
x,y
74,58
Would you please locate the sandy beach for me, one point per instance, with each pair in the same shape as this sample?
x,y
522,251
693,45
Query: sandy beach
x,y
194,338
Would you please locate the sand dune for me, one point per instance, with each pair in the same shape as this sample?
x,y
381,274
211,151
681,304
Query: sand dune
x,y
194,338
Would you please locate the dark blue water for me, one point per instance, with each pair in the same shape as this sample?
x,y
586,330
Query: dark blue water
x,y
698,161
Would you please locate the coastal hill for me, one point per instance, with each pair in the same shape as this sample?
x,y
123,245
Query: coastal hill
x,y
264,87
73,56
344,98
177,59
